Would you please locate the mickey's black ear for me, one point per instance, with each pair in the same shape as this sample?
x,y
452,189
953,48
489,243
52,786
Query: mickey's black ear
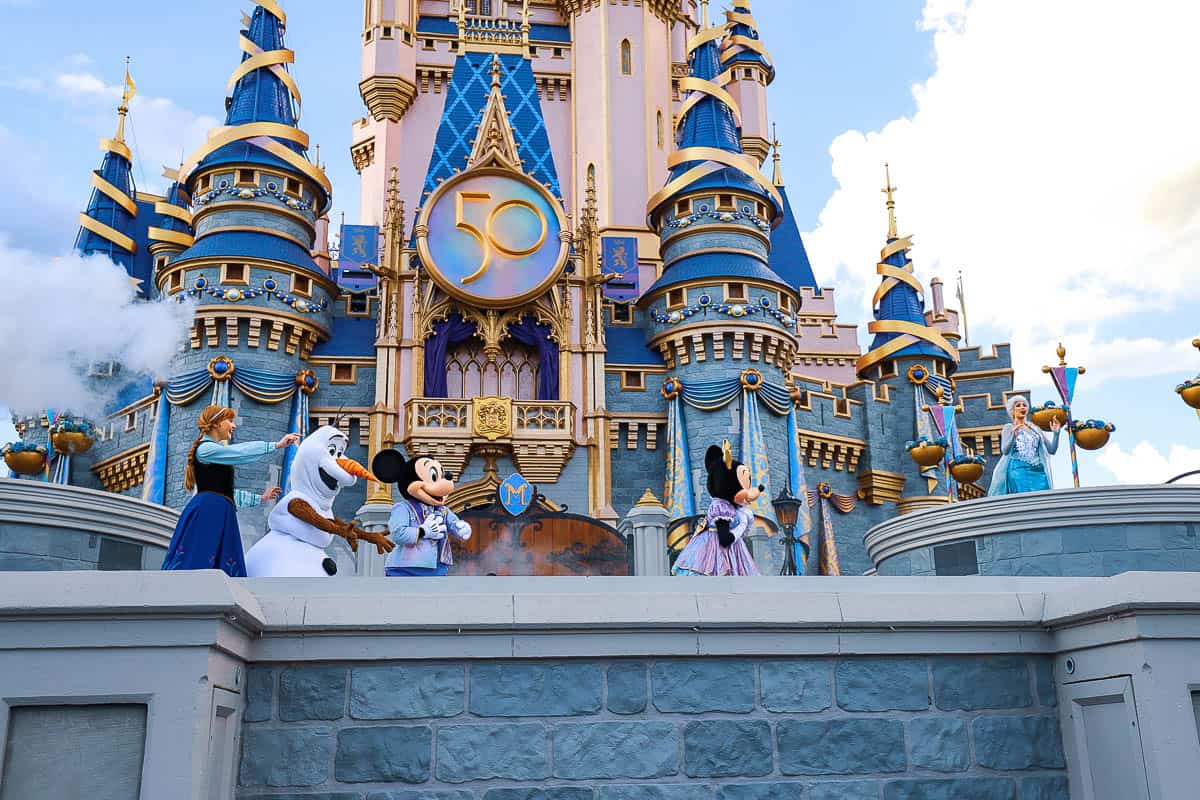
x,y
388,465
713,458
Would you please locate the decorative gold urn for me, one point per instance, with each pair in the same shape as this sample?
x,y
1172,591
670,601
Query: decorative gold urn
x,y
1190,392
966,471
927,455
1093,434
1044,414
71,443
25,462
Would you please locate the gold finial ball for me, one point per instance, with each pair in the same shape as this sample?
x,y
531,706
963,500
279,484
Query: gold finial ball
x,y
1196,343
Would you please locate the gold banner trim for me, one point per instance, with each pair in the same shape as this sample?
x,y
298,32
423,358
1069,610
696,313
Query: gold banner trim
x,y
891,248
111,234
258,133
115,194
712,90
263,59
174,237
704,36
739,161
272,8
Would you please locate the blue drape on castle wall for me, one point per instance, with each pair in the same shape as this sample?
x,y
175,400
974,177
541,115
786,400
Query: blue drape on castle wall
x,y
528,331
451,330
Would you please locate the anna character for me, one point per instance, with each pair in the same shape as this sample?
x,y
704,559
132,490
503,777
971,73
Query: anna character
x,y
1024,464
207,534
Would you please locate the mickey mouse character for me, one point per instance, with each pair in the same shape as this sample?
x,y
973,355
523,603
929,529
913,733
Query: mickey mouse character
x,y
718,548
302,523
420,521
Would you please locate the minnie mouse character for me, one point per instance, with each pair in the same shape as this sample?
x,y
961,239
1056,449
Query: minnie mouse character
x,y
420,521
718,548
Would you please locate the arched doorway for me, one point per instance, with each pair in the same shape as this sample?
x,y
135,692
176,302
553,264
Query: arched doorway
x,y
540,543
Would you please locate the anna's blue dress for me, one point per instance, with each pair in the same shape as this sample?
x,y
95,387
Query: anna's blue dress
x,y
1025,461
207,534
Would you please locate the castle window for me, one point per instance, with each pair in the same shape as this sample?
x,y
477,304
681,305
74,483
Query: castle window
x,y
130,421
454,47
632,380
939,368
175,283
748,73
358,304
888,369
622,314
407,37
387,31
427,44
558,52
343,373
659,121
159,263
302,284
366,36
204,183
626,57
677,298
785,301
591,172
683,208
725,202
761,210
735,291
532,50
245,177
292,187
234,273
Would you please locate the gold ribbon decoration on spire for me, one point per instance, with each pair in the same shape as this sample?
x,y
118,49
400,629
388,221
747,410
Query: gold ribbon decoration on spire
x,y
117,146
714,157
735,41
264,134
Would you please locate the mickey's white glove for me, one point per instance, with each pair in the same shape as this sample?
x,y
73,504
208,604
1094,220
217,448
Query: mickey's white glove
x,y
462,530
433,528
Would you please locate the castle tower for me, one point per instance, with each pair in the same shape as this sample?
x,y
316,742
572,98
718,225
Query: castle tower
x,y
716,313
262,302
174,233
914,360
751,72
107,226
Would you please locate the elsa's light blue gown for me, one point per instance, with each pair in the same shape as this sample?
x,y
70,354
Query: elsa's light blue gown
x,y
1024,461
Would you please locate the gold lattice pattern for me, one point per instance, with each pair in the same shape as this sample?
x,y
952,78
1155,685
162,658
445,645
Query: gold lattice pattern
x,y
541,417
124,470
441,414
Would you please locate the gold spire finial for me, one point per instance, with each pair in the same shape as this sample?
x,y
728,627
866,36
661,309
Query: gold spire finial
x,y
127,93
495,71
891,202
1061,352
777,176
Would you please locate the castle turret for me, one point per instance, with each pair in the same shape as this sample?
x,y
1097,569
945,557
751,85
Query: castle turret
x,y
262,300
174,232
107,226
717,311
750,73
899,305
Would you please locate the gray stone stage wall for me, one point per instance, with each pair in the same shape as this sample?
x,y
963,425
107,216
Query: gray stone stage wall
x,y
735,729
1090,532
48,527
604,688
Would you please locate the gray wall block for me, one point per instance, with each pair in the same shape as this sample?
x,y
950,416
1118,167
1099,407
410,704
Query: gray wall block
x,y
939,744
762,791
973,788
391,753
474,752
288,757
882,684
407,691
627,688
799,685
975,682
1055,788
841,746
535,690
312,693
697,686
610,750
720,748
1018,743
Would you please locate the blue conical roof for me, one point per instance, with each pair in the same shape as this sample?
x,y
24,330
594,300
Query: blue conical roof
x,y
743,26
789,257
903,303
260,95
117,171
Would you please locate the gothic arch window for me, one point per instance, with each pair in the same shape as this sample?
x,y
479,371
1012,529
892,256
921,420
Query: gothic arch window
x,y
660,129
626,57
591,172
469,373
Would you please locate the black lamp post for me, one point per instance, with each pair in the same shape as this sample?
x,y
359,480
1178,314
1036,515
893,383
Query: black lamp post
x,y
787,509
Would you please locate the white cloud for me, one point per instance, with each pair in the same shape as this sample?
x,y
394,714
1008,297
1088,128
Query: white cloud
x,y
63,314
1051,157
1145,464
159,131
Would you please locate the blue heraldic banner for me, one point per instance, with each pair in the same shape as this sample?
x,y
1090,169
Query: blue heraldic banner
x,y
619,256
359,252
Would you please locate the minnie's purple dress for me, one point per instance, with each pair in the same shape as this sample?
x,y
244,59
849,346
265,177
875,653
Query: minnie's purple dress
x,y
704,554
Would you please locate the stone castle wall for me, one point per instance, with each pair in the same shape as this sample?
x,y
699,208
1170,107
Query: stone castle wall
x,y
730,728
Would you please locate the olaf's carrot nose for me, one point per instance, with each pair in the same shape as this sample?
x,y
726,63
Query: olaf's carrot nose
x,y
356,469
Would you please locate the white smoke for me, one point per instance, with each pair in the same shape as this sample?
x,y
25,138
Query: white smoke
x,y
59,316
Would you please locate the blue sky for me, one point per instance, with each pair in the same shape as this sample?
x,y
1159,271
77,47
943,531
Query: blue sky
x,y
1066,228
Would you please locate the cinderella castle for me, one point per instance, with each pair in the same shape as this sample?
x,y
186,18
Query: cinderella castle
x,y
570,264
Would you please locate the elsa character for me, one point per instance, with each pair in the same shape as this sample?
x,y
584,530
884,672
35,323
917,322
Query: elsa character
x,y
1024,453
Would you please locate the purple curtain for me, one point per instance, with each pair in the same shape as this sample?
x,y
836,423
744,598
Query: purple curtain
x,y
452,330
529,332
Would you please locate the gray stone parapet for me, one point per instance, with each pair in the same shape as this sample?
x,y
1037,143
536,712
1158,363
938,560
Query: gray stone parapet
x,y
49,526
647,523
1093,531
476,688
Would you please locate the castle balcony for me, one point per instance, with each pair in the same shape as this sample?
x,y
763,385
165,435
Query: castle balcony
x,y
540,434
